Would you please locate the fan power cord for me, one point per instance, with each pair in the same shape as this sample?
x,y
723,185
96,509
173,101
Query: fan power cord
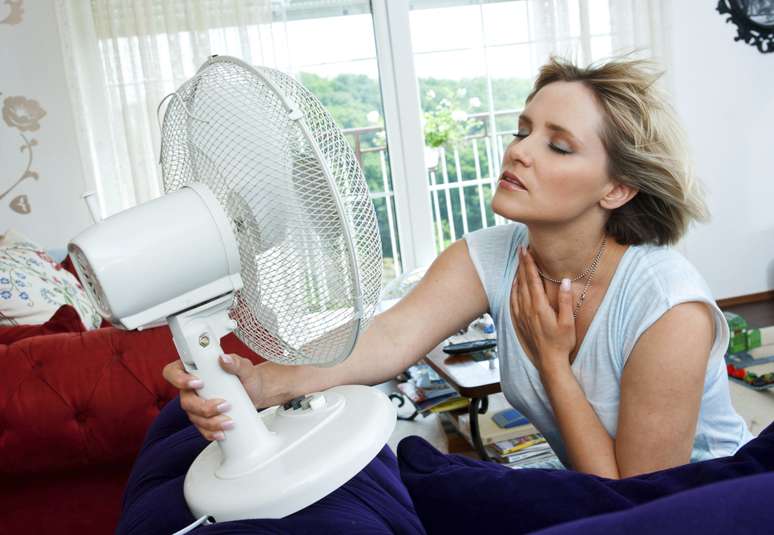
x,y
204,520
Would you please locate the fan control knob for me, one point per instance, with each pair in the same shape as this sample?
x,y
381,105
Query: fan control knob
x,y
317,402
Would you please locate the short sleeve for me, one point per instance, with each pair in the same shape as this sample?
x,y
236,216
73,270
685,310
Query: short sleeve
x,y
662,279
489,249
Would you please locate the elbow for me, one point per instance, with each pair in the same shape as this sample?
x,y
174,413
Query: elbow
x,y
608,472
656,465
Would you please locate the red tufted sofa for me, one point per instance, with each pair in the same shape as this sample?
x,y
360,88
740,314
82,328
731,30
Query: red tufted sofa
x,y
74,408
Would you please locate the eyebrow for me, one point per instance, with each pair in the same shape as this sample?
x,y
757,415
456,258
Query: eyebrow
x,y
552,126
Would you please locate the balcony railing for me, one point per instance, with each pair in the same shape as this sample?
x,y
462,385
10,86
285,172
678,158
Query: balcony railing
x,y
461,184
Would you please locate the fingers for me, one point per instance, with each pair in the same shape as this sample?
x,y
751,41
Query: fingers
x,y
206,414
522,288
175,374
239,366
204,408
515,310
566,317
212,428
537,292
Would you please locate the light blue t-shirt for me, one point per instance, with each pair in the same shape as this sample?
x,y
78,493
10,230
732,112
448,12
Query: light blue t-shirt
x,y
648,281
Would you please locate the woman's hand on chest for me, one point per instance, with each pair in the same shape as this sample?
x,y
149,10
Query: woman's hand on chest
x,y
548,334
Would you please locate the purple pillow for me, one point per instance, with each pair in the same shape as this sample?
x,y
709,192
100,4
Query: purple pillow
x,y
741,505
374,501
488,498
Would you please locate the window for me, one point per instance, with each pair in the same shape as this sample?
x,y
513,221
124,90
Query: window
x,y
148,49
475,62
393,73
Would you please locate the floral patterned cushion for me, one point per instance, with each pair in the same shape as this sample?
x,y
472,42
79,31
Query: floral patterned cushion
x,y
33,286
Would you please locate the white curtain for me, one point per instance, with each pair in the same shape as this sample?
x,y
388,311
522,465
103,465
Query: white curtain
x,y
582,31
124,56
588,30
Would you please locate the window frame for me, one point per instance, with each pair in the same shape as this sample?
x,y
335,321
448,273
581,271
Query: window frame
x,y
403,131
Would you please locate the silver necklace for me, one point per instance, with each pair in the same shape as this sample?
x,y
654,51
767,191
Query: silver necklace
x,y
583,273
588,272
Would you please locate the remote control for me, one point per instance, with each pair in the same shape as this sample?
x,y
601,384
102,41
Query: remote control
x,y
470,347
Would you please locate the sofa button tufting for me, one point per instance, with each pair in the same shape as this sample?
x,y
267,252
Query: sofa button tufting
x,y
36,365
80,417
160,402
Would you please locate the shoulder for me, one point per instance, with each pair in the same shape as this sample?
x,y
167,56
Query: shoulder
x,y
489,250
499,234
656,280
489,247
491,244
662,273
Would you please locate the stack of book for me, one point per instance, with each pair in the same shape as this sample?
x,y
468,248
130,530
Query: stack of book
x,y
429,392
490,432
521,451
517,446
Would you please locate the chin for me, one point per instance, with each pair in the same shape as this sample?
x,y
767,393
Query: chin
x,y
506,208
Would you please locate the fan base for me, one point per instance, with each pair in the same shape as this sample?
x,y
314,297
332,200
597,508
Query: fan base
x,y
320,449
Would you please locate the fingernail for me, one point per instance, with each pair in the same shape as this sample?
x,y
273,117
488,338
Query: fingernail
x,y
195,383
224,407
566,285
228,424
219,435
227,359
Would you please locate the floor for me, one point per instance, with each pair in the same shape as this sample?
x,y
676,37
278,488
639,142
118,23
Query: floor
x,y
430,428
756,407
446,439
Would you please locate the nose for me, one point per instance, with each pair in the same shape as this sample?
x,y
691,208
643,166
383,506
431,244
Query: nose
x,y
519,152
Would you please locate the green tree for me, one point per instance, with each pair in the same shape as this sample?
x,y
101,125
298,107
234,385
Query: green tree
x,y
351,99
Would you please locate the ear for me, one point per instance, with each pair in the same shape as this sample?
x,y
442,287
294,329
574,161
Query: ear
x,y
617,195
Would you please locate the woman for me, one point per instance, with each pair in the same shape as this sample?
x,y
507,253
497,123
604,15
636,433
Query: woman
x,y
608,341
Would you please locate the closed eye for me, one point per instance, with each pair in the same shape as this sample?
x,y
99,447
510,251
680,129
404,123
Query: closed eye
x,y
559,149
555,148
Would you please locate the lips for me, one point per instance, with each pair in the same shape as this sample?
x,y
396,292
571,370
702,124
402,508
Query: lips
x,y
512,179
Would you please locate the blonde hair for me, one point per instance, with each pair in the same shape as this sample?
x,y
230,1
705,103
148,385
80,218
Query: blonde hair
x,y
645,148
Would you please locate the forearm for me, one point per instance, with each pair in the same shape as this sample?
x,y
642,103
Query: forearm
x,y
448,297
381,353
589,446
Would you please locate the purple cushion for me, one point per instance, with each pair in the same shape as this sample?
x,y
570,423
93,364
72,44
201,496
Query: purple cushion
x,y
487,497
741,505
374,501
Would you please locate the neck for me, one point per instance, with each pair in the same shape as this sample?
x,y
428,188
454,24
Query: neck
x,y
564,251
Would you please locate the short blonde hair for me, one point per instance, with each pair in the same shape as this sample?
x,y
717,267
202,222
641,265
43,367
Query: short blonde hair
x,y
645,147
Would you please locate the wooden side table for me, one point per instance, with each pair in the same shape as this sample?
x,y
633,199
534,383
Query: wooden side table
x,y
472,379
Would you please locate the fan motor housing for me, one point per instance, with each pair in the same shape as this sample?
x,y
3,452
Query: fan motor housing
x,y
159,258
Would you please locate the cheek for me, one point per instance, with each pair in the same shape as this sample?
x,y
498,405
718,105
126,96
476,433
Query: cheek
x,y
571,183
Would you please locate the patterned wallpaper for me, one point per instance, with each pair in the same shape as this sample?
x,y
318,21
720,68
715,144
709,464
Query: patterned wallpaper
x,y
42,175
14,12
23,115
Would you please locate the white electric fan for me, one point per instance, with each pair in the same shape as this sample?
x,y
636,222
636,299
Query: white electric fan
x,y
266,229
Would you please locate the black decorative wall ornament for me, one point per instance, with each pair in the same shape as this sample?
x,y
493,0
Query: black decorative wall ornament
x,y
754,20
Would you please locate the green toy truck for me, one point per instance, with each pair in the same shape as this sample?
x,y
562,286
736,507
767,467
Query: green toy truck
x,y
742,337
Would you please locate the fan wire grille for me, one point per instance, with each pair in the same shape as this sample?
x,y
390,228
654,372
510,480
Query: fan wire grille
x,y
297,201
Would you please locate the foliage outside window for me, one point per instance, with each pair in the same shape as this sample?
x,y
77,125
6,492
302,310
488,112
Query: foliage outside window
x,y
445,125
